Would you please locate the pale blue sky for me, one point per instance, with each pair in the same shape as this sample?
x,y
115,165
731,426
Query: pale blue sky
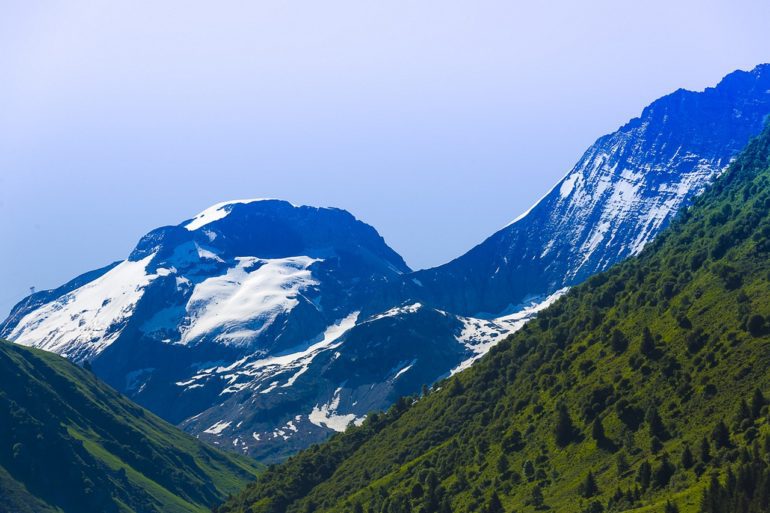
x,y
435,121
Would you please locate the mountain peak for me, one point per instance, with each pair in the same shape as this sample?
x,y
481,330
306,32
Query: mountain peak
x,y
626,188
222,209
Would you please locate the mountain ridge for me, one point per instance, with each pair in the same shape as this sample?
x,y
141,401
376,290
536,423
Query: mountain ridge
x,y
627,170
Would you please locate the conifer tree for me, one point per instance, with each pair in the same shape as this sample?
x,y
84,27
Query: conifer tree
x,y
644,475
597,430
565,430
687,459
655,423
502,465
671,507
757,402
621,464
589,488
618,341
705,451
536,497
721,435
647,346
494,505
742,413
663,472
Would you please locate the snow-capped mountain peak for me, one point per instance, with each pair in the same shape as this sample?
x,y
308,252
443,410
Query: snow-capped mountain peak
x,y
219,211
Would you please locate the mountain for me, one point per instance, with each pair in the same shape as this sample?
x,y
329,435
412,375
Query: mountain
x,y
272,407
242,278
645,388
621,193
252,275
69,443
264,327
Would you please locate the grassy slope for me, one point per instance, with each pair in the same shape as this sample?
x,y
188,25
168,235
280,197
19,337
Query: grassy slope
x,y
492,428
70,443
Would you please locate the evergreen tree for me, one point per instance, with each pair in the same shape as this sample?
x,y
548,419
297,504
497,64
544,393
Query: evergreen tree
x,y
565,430
671,507
742,413
644,475
655,423
536,497
721,435
705,451
757,402
529,470
589,488
756,325
647,346
597,430
502,465
618,341
663,473
687,459
494,505
621,464
594,507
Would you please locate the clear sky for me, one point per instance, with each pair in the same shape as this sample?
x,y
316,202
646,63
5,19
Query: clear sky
x,y
435,121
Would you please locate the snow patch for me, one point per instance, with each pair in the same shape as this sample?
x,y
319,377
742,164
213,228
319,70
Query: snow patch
x,y
481,335
403,370
400,310
217,212
217,428
85,321
237,306
327,415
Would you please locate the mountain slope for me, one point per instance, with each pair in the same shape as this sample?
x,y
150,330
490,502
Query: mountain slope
x,y
285,403
72,444
644,385
257,325
625,188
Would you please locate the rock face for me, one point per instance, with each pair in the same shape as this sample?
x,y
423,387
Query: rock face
x,y
271,407
263,326
620,194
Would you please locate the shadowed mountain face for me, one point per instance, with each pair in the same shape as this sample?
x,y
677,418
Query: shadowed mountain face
x,y
263,327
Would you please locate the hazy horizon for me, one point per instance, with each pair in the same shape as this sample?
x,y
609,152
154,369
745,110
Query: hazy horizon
x,y
436,123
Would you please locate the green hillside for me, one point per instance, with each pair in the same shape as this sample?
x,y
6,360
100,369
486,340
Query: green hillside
x,y
641,390
70,443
